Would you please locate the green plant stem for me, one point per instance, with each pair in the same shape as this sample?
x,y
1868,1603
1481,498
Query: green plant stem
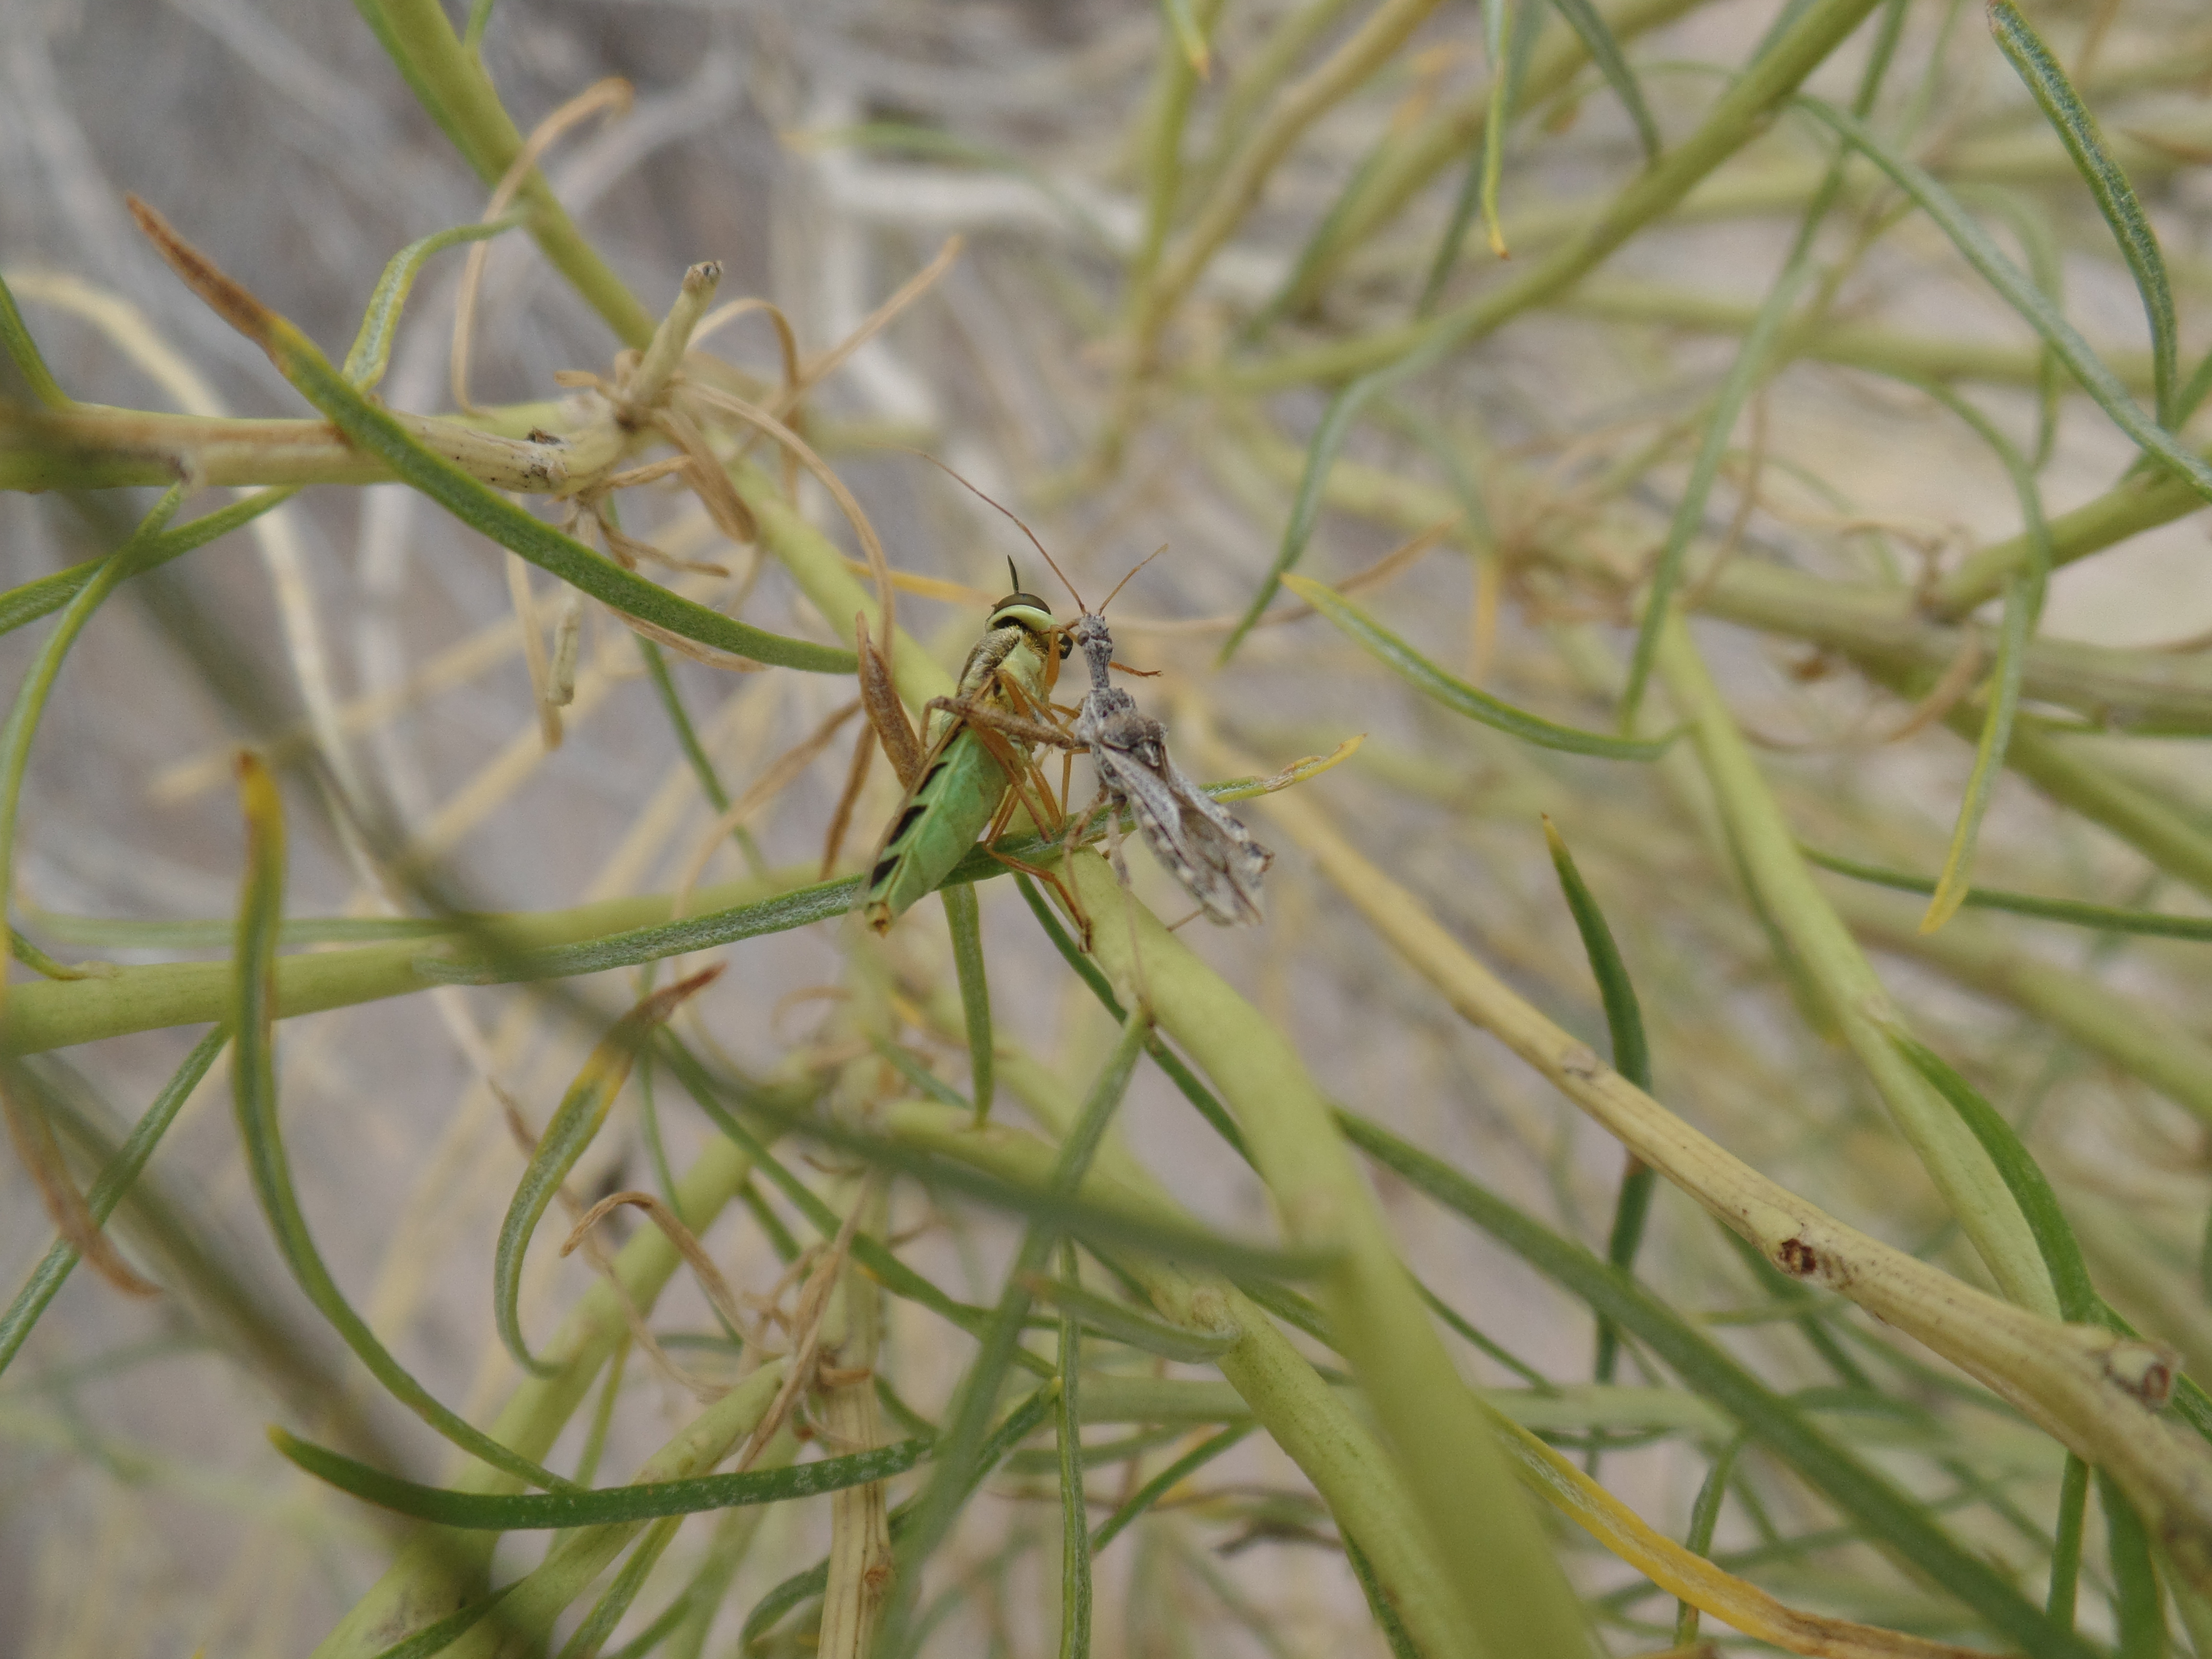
x,y
108,1190
451,83
1740,114
2126,1030
1289,113
21,724
194,993
2072,773
1881,627
1830,339
1445,137
1252,80
2142,502
88,446
1513,1595
1853,995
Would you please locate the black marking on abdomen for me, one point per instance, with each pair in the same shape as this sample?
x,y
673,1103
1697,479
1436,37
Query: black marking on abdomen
x,y
906,822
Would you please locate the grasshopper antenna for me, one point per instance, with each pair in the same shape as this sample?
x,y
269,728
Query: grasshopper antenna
x,y
1019,524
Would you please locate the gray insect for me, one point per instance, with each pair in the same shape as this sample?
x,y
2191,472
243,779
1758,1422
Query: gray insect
x,y
1208,851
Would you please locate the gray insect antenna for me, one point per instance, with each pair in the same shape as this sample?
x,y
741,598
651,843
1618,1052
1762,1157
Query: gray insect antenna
x,y
1014,576
1127,580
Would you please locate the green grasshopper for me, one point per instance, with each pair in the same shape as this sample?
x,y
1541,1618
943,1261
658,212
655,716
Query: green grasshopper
x,y
958,788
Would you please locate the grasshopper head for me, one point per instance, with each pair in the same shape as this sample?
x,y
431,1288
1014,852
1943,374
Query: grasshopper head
x,y
1034,617
1022,611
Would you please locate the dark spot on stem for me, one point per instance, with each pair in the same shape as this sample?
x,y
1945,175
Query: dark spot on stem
x,y
1798,1257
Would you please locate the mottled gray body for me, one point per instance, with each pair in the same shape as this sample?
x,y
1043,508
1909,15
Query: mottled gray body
x,y
1209,852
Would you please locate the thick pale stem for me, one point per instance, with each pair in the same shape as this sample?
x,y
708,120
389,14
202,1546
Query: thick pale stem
x,y
1852,993
1511,1592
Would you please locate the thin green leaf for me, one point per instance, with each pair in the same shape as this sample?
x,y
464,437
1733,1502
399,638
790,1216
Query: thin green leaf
x,y
1119,1322
2116,199
607,1612
632,947
2066,1553
1344,407
2038,241
1497,50
1014,1428
1604,50
1445,260
253,1084
1459,1323
1456,694
636,946
432,1639
2104,918
1298,1311
1378,1603
1632,1057
1623,1016
21,725
107,1190
2022,1176
1189,36
918,1075
2018,291
1750,367
964,916
670,1618
1704,1515
1320,244
2205,1259
2191,396
1445,452
1165,1481
537,1511
35,600
1074,1510
603,1416
2138,1604
2023,610
687,738
23,351
574,1124
371,352
968,1417
473,503
1885,1514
